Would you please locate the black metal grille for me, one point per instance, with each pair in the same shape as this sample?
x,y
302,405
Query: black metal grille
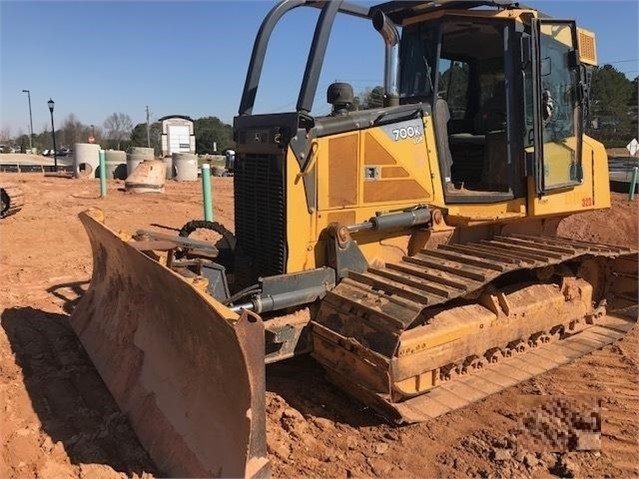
x,y
260,215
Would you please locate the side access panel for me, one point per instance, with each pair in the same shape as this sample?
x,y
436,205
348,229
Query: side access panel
x,y
188,372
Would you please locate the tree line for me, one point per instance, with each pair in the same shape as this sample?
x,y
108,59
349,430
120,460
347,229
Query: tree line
x,y
612,119
118,132
613,107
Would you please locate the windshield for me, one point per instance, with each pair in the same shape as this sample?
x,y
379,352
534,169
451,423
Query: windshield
x,y
418,51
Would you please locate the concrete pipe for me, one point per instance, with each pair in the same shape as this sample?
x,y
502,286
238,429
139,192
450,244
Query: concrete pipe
x,y
86,159
186,167
148,177
115,161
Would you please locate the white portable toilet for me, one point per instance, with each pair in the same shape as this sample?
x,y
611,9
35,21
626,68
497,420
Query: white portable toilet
x,y
178,135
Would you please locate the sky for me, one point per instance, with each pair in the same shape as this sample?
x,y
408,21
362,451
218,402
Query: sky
x,y
94,58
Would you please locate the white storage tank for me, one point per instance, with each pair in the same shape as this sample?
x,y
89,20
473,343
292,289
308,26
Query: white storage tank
x,y
86,159
186,167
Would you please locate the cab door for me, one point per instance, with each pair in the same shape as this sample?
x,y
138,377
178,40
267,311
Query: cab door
x,y
557,101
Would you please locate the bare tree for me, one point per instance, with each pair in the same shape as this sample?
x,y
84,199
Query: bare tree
x,y
21,140
73,131
44,138
118,127
5,134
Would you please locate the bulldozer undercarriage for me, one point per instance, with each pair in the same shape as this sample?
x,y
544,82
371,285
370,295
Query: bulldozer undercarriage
x,y
450,326
413,339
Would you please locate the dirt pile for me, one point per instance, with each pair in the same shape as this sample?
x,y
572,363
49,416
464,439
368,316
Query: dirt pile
x,y
618,225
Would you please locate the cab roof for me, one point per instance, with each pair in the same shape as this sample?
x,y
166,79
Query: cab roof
x,y
398,10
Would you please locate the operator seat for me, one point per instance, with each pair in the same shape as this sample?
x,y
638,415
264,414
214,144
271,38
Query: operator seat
x,y
490,117
481,155
490,121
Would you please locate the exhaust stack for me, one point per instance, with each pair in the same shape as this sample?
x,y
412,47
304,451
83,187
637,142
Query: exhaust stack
x,y
388,31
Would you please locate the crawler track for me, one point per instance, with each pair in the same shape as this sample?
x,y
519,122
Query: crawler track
x,y
464,321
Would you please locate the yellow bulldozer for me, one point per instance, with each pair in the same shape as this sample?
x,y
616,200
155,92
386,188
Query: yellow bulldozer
x,y
410,249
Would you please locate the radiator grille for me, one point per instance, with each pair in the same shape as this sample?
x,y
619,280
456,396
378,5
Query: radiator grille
x,y
260,214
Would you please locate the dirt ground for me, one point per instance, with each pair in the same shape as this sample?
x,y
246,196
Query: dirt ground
x,y
59,420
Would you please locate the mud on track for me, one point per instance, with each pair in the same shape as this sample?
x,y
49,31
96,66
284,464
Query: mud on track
x,y
58,419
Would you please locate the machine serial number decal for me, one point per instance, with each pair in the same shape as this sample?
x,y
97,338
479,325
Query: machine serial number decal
x,y
406,132
587,201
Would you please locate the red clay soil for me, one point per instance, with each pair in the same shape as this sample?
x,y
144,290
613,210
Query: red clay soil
x,y
58,419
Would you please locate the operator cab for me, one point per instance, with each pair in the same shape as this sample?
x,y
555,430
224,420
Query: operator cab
x,y
492,92
480,77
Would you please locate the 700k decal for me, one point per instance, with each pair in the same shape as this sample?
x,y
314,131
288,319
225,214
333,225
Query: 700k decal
x,y
406,132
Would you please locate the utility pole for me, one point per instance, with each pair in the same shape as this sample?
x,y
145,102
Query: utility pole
x,y
148,129
28,92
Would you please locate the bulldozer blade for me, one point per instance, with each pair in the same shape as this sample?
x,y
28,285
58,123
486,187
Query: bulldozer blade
x,y
187,371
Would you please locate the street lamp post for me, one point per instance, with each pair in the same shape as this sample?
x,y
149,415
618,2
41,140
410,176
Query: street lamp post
x,y
28,92
51,103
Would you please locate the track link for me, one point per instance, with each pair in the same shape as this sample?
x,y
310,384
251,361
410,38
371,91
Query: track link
x,y
390,334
